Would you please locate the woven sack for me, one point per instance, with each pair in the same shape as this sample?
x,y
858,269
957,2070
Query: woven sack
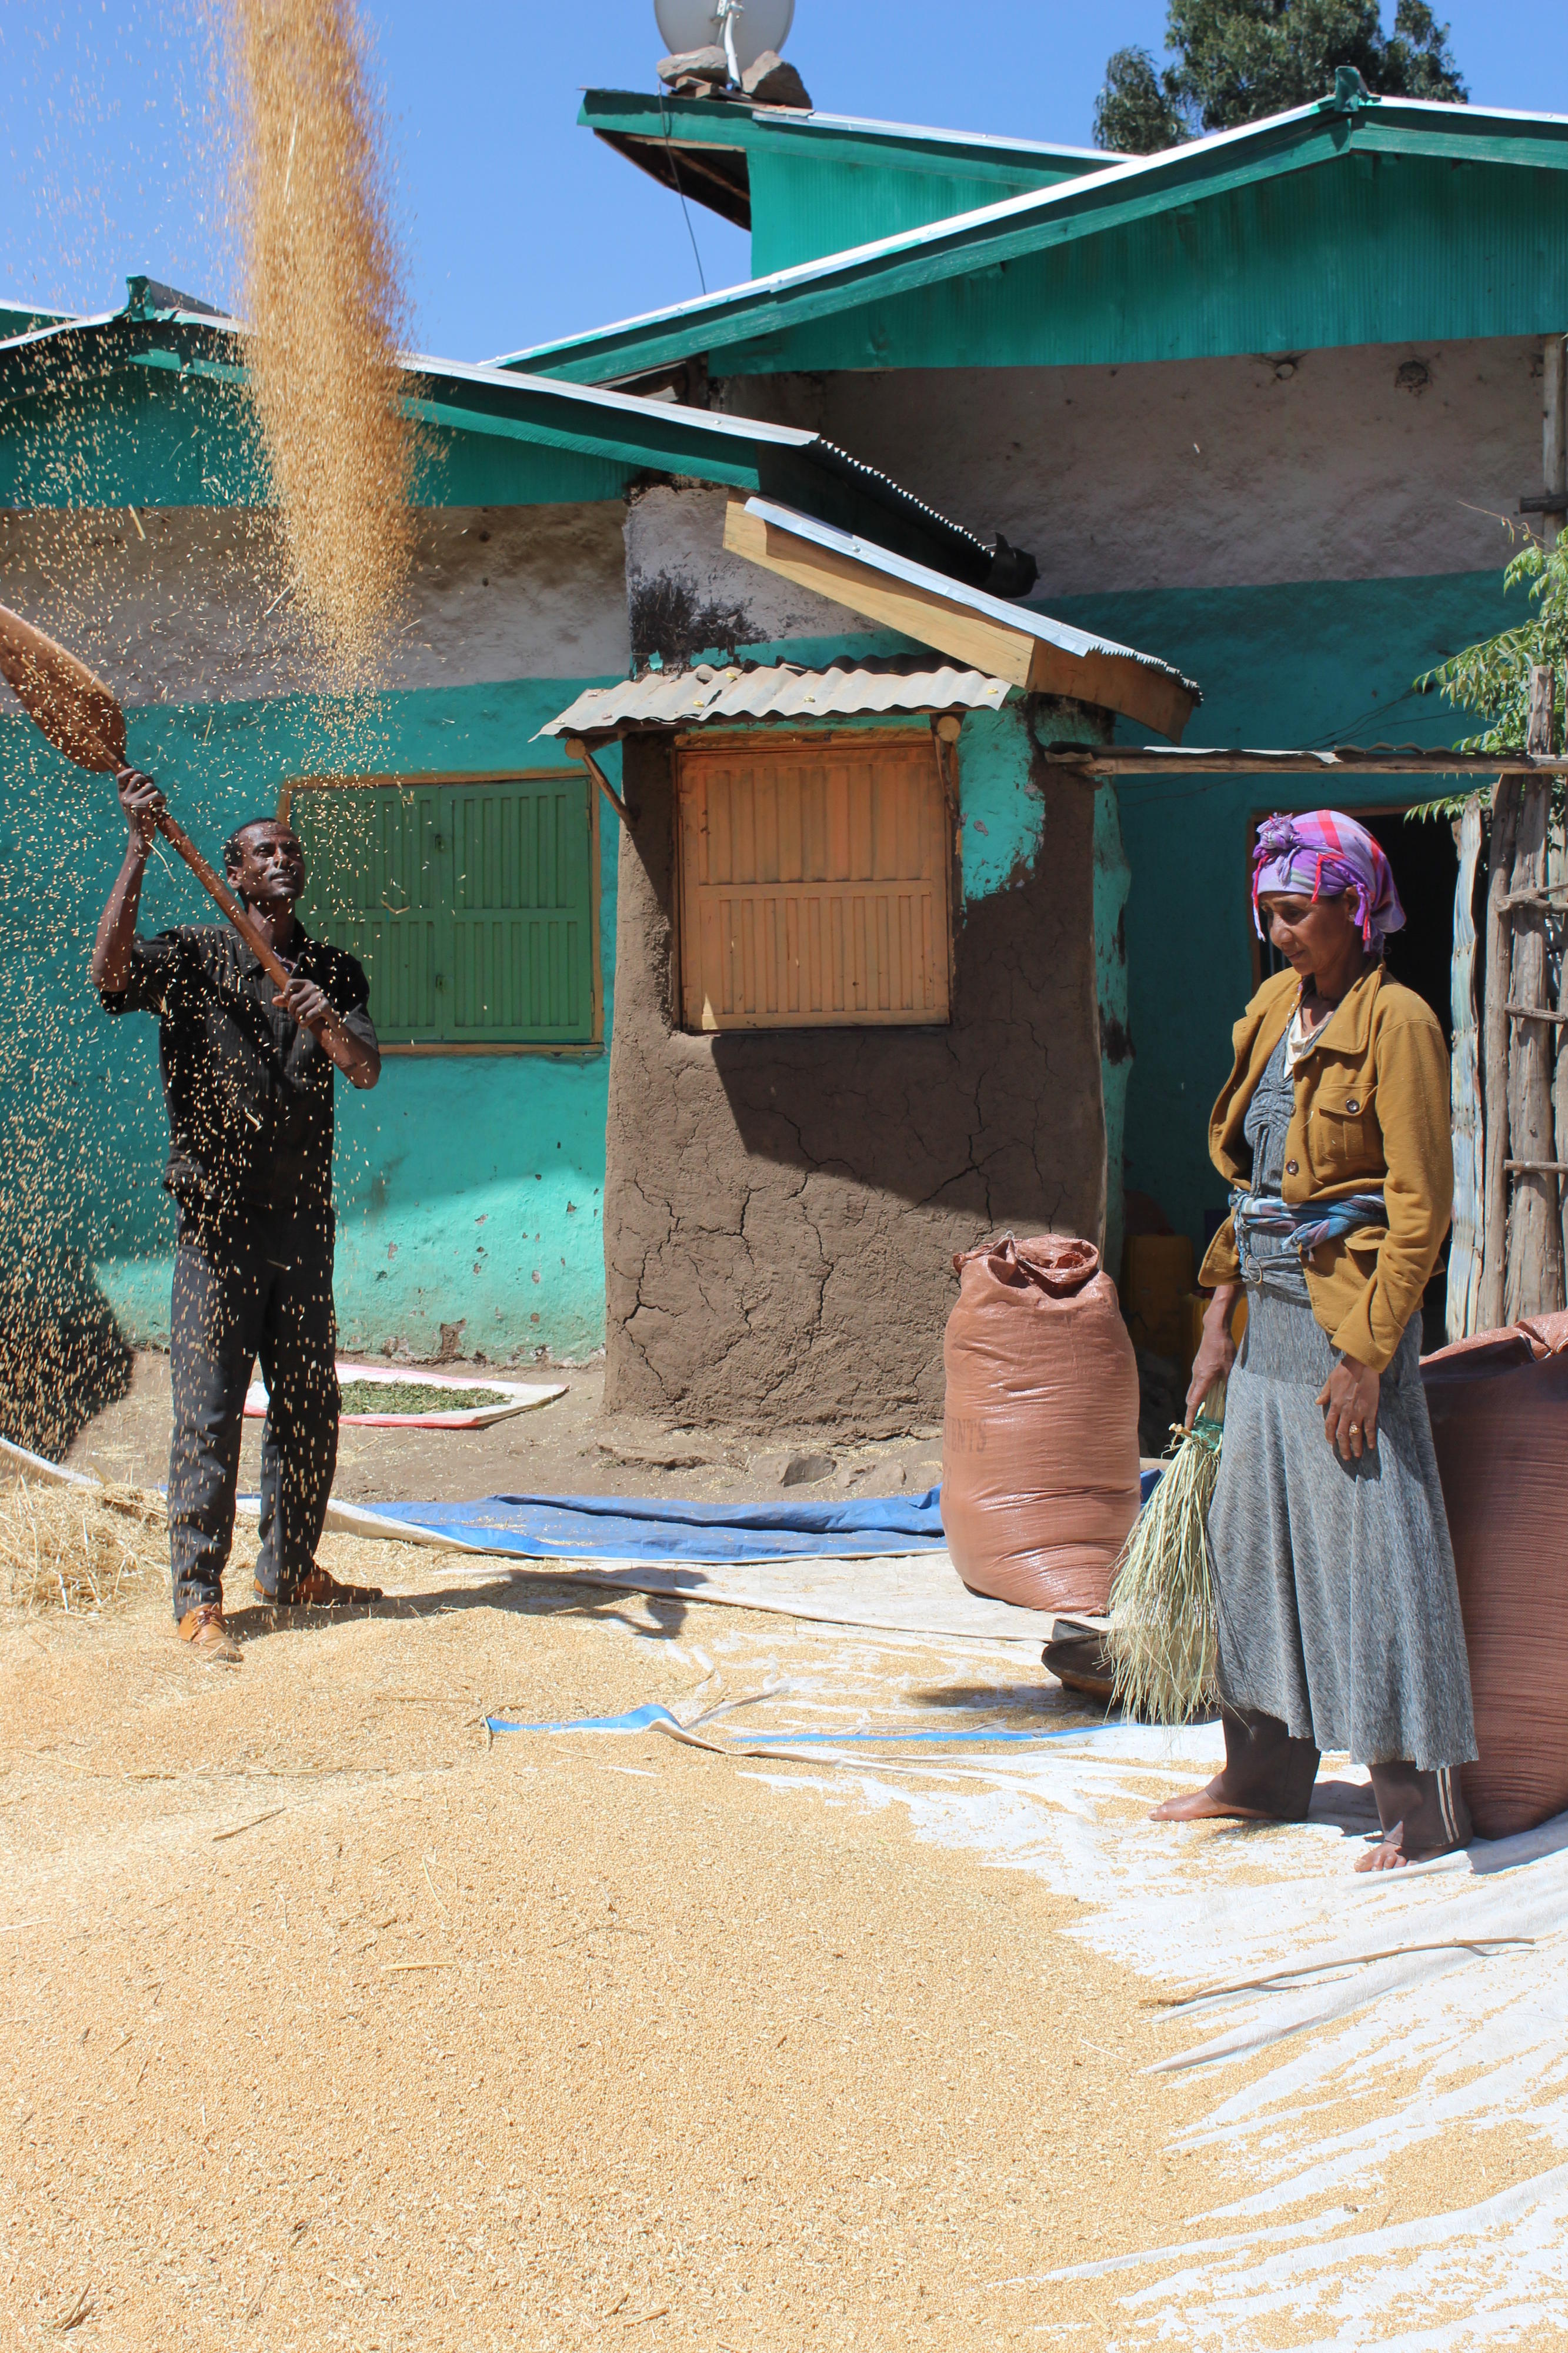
x,y
1499,1405
1040,1455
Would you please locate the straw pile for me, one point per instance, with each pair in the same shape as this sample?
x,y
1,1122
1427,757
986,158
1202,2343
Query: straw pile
x,y
77,1548
1162,1640
324,298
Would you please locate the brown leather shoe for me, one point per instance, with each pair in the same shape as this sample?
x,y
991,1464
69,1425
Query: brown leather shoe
x,y
208,1636
319,1589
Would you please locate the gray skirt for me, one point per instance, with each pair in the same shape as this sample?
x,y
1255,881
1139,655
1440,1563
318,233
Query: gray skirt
x,y
1336,1599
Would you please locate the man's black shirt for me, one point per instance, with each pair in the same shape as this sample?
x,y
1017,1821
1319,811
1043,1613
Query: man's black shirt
x,y
248,1092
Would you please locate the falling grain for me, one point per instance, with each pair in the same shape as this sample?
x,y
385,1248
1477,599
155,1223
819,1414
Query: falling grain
x,y
324,299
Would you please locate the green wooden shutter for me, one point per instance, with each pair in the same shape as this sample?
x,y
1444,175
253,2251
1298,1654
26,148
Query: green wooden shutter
x,y
469,906
377,885
520,962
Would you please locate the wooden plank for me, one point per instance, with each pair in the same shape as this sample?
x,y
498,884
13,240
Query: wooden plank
x,y
1494,1055
863,941
980,640
1156,759
1534,1285
1469,1143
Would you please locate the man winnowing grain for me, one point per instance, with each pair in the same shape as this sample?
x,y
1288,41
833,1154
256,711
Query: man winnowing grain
x,y
247,1086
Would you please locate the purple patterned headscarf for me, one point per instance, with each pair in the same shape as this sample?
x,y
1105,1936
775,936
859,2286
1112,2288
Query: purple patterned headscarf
x,y
1328,856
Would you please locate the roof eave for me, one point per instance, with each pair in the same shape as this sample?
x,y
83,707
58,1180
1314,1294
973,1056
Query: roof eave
x,y
1096,202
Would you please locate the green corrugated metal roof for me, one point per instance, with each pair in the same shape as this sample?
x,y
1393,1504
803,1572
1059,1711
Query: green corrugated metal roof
x,y
141,408
21,318
807,183
1347,222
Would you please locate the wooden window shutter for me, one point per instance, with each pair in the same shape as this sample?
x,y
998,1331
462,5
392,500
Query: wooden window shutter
x,y
814,883
522,944
374,885
471,906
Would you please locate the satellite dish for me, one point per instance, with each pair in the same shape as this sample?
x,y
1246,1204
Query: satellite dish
x,y
754,25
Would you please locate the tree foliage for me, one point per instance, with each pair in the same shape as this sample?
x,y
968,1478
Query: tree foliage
x,y
1235,61
1492,679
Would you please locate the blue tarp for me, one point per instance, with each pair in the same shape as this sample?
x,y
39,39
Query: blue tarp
x,y
642,1528
638,1719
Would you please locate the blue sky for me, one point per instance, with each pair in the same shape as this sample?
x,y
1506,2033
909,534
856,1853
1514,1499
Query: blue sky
x,y
519,226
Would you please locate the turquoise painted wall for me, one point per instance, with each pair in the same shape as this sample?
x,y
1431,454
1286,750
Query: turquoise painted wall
x,y
470,1188
1307,665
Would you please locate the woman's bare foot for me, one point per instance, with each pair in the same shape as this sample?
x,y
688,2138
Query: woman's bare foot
x,y
1390,1853
1206,1806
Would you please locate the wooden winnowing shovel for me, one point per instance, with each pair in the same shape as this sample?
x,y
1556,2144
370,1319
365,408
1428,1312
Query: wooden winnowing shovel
x,y
82,719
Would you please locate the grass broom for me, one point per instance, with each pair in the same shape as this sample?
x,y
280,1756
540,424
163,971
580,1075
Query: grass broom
x,y
1162,1642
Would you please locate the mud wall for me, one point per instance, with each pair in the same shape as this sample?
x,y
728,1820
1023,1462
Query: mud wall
x,y
782,1208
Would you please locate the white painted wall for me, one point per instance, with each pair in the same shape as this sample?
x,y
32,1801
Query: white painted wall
x,y
193,610
1207,473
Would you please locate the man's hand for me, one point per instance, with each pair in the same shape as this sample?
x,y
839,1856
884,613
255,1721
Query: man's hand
x,y
305,1001
360,1063
1350,1400
144,805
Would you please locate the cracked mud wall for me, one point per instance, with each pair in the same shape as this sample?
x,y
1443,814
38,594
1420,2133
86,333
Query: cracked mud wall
x,y
782,1207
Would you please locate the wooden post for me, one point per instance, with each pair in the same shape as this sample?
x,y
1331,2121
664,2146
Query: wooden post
x,y
1494,1053
1557,872
1534,1284
1469,1134
1554,419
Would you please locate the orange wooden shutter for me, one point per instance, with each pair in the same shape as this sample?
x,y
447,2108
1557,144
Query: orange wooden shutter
x,y
814,885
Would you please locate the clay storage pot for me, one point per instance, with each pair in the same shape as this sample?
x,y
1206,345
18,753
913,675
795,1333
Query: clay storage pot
x,y
1500,1421
1040,1455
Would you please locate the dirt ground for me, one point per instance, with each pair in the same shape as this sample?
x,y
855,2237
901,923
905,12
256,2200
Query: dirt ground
x,y
563,1449
333,2018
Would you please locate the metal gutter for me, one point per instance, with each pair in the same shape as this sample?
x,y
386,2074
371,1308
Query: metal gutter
x,y
1033,222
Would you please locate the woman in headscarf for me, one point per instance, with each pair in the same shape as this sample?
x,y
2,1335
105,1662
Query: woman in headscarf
x,y
1337,1605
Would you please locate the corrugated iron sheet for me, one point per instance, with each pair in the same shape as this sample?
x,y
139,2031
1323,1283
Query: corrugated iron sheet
x,y
1183,254
844,690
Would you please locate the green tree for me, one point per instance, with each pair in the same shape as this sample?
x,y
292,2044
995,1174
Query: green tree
x,y
1492,679
1235,61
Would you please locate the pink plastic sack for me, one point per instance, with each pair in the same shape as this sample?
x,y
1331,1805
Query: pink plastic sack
x,y
1039,1452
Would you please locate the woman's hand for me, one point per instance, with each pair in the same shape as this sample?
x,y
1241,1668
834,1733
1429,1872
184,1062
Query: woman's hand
x,y
1350,1400
1216,1350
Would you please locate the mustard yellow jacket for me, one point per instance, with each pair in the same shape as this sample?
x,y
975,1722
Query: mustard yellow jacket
x,y
1372,1108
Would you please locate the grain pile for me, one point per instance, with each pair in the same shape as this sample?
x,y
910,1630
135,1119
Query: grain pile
x,y
324,298
375,2032
77,1548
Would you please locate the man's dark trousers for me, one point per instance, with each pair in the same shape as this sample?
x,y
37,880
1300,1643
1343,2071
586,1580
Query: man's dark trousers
x,y
251,1282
